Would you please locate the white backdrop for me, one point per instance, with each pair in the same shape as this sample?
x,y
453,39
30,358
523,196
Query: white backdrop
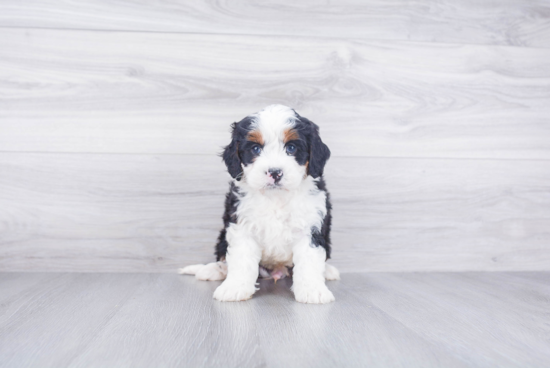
x,y
111,117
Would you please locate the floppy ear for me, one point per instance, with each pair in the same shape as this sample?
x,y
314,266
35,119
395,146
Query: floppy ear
x,y
319,153
231,157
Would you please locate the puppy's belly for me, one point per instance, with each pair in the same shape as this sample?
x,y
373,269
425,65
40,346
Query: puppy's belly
x,y
276,254
273,262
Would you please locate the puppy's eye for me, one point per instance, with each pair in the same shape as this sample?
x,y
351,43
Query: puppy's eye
x,y
256,150
290,149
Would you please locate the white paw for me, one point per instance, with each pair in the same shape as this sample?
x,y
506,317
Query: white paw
x,y
190,270
212,272
234,291
331,272
312,293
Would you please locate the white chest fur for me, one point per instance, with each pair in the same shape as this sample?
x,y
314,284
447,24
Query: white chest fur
x,y
277,219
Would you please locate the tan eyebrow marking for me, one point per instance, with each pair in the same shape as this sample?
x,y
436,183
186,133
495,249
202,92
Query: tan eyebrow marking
x,y
256,136
291,135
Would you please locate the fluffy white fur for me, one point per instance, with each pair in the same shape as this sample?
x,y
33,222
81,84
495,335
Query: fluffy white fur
x,y
274,224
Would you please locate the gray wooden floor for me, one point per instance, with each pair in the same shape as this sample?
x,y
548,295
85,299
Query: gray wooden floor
x,y
378,320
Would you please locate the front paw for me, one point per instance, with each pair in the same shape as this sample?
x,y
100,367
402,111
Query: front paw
x,y
317,293
234,291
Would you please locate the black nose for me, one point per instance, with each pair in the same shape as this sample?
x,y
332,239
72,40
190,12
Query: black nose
x,y
276,174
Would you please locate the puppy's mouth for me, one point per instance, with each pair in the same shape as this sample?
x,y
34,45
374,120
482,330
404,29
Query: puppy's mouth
x,y
273,186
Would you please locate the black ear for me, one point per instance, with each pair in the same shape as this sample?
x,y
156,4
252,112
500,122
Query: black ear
x,y
319,153
231,157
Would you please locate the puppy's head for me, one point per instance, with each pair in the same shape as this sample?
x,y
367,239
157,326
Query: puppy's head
x,y
275,149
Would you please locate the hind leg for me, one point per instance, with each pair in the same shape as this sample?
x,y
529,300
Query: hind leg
x,y
331,272
209,272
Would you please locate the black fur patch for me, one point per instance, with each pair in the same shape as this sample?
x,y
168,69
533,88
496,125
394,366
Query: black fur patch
x,y
310,146
233,153
321,237
229,216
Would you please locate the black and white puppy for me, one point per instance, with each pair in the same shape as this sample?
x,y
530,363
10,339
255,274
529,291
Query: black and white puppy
x,y
277,212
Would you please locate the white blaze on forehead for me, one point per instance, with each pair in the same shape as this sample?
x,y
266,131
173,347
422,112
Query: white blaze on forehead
x,y
273,121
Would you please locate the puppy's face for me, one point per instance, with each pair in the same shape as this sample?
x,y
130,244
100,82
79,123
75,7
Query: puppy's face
x,y
275,149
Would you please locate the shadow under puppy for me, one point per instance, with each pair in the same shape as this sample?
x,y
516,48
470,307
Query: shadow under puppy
x,y
277,210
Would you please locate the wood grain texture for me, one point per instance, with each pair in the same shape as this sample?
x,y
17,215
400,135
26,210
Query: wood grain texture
x,y
378,320
128,92
510,22
147,213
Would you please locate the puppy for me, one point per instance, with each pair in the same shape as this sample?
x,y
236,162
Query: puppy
x,y
277,210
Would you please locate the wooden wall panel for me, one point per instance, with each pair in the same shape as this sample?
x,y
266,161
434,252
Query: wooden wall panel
x,y
508,22
154,213
436,113
109,92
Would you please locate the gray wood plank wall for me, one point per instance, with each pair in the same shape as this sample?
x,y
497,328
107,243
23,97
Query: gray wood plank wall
x,y
437,114
492,22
